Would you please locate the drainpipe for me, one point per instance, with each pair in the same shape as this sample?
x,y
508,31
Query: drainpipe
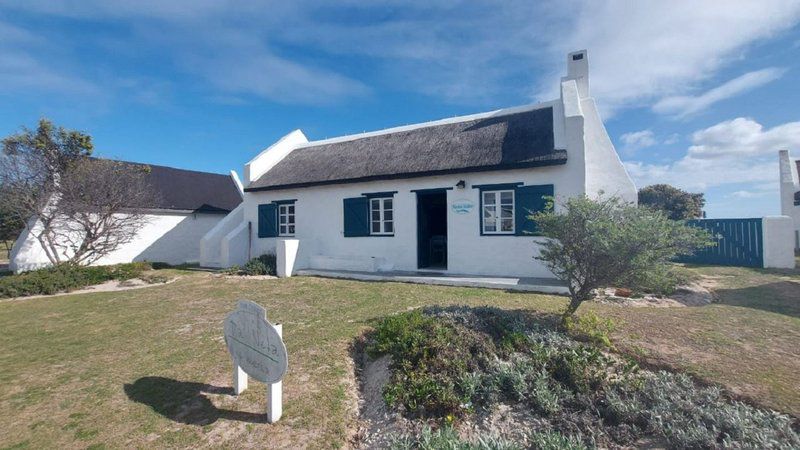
x,y
249,239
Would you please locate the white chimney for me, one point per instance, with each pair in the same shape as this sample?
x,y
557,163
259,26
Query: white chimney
x,y
578,70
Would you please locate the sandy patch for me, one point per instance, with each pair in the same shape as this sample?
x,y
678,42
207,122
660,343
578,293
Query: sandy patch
x,y
694,294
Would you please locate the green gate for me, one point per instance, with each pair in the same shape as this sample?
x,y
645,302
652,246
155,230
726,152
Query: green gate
x,y
739,243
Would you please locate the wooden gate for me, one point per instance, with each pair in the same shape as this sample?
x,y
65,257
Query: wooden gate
x,y
739,243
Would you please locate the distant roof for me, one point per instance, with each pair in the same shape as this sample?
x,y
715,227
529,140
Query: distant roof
x,y
519,138
189,190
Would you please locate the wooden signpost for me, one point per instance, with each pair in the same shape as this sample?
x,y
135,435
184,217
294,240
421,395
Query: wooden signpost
x,y
257,349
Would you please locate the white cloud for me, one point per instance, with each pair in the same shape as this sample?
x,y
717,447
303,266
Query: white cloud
x,y
738,151
641,51
685,105
309,51
637,140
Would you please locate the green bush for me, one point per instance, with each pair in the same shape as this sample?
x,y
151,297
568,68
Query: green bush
x,y
590,327
263,265
66,277
553,440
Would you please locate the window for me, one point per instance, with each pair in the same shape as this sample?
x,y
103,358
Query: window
x,y
497,212
286,219
381,216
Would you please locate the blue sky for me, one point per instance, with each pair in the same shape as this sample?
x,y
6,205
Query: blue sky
x,y
697,94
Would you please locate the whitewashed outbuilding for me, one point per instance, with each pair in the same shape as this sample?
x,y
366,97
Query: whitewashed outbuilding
x,y
450,196
790,191
189,204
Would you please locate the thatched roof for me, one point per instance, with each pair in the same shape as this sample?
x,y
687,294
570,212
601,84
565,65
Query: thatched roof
x,y
189,190
502,141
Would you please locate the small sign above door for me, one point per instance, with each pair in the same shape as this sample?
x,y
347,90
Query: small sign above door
x,y
462,206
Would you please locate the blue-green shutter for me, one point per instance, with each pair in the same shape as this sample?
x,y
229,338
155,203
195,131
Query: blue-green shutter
x,y
267,220
529,200
356,217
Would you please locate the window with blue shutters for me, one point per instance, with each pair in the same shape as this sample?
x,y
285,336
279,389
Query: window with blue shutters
x,y
356,217
267,220
529,201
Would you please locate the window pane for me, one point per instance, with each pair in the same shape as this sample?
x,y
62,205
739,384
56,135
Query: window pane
x,y
291,229
283,229
388,215
506,225
387,203
376,227
506,197
375,204
489,211
489,225
283,218
506,212
376,215
291,209
388,227
291,218
488,198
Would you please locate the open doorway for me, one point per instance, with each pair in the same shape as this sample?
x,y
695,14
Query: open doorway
x,y
432,229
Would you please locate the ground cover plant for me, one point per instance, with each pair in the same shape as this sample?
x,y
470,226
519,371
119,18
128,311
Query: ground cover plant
x,y
449,363
66,277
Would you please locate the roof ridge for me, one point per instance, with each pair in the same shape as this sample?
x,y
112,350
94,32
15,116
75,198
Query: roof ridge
x,y
162,166
433,123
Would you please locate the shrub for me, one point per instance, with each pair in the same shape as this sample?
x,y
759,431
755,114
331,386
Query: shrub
x,y
263,265
590,327
597,243
66,277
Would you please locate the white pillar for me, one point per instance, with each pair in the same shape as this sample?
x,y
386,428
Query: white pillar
x,y
778,241
275,390
286,253
239,380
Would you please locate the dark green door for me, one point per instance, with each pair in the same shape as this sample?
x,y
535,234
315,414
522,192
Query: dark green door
x,y
432,229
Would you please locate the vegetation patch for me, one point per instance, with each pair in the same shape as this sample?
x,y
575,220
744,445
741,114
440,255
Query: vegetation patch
x,y
66,277
452,366
265,264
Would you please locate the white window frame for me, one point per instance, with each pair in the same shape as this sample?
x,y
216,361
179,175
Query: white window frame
x,y
283,211
498,220
382,209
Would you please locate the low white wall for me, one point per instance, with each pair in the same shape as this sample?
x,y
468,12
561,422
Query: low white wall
x,y
173,238
778,233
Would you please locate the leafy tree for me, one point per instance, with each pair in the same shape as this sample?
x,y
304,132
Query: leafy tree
x,y
597,243
676,203
10,225
82,208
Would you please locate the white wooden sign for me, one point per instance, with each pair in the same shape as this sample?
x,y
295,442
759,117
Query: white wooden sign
x,y
257,349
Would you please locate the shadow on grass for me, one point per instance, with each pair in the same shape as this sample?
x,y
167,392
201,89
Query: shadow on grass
x,y
185,401
781,297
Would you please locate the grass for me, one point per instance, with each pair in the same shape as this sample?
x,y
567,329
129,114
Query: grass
x,y
148,367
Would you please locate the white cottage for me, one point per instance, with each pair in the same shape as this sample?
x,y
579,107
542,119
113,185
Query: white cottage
x,y
790,192
450,196
189,204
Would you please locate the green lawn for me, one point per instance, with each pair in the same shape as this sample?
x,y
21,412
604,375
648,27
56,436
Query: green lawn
x,y
148,368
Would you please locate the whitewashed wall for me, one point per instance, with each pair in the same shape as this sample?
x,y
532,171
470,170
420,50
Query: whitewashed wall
x,y
168,237
789,185
320,223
